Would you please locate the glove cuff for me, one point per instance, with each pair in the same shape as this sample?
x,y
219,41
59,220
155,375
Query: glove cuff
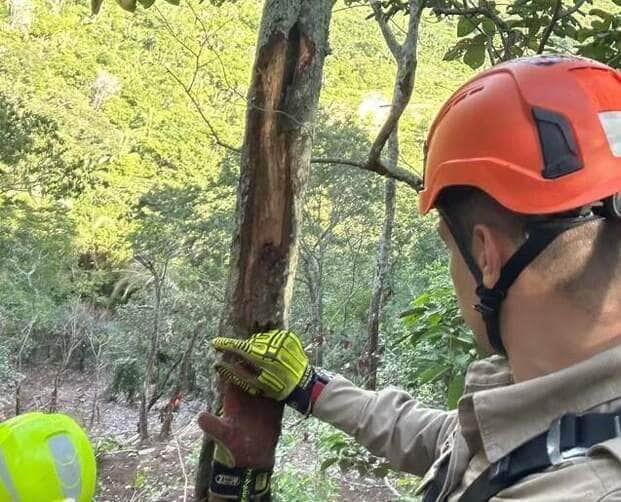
x,y
307,391
239,483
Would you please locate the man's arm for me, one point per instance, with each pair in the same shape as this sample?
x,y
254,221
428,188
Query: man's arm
x,y
389,423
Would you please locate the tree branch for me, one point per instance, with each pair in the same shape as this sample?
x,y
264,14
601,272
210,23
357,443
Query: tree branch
x,y
187,88
572,10
397,173
406,70
548,31
199,109
457,10
389,36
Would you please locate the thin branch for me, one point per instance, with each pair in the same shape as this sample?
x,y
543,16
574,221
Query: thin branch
x,y
397,173
187,88
389,36
199,109
572,10
404,86
457,10
170,30
503,29
548,31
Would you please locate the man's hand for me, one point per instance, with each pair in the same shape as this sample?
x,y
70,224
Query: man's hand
x,y
271,364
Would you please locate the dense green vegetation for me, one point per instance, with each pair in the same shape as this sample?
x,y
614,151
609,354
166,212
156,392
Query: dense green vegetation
x,y
117,193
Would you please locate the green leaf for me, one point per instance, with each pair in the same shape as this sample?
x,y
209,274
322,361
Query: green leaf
x,y
455,390
489,28
600,13
146,3
128,5
174,2
422,299
465,26
475,56
432,374
326,464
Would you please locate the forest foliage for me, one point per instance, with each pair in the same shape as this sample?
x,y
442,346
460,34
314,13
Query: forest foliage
x,y
118,178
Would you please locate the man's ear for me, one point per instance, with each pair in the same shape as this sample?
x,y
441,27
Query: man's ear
x,y
488,250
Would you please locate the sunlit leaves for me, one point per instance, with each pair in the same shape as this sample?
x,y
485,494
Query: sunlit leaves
x,y
442,340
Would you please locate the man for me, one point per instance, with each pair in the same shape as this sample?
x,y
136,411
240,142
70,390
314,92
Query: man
x,y
524,167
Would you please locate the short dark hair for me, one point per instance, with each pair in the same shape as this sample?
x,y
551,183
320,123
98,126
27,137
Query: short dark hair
x,y
583,263
467,207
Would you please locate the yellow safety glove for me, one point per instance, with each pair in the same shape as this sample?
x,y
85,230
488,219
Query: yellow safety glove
x,y
271,364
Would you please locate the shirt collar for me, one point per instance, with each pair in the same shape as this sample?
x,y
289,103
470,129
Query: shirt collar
x,y
500,415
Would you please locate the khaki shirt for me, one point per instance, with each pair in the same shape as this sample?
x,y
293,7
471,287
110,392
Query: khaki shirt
x,y
494,417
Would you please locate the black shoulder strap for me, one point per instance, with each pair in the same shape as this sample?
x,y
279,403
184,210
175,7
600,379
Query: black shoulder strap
x,y
569,436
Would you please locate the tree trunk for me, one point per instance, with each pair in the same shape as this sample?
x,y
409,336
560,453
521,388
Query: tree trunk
x,y
370,363
181,386
282,100
405,55
143,420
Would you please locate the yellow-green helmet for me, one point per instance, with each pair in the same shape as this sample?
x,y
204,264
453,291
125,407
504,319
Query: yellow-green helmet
x,y
45,458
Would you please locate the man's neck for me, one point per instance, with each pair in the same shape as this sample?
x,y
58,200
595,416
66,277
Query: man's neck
x,y
546,335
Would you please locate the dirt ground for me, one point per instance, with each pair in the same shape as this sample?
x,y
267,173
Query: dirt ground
x,y
156,471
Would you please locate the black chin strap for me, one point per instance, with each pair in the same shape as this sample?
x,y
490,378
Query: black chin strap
x,y
540,235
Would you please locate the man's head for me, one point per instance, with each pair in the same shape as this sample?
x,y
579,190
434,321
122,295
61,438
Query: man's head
x,y
521,163
581,268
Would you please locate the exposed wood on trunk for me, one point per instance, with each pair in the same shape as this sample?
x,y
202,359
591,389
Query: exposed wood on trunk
x,y
282,101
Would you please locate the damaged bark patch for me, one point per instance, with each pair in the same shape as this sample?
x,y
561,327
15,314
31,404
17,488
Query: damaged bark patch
x,y
268,230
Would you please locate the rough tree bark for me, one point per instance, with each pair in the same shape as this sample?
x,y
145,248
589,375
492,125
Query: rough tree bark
x,y
406,59
282,100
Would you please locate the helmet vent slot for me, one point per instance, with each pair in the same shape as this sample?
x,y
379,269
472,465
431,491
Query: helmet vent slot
x,y
558,144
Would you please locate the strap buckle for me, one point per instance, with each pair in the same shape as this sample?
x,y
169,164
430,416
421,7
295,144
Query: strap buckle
x,y
553,443
489,300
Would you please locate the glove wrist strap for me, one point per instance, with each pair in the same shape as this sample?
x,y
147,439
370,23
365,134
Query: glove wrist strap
x,y
307,391
243,484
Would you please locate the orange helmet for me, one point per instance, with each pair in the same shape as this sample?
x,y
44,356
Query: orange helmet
x,y
540,135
